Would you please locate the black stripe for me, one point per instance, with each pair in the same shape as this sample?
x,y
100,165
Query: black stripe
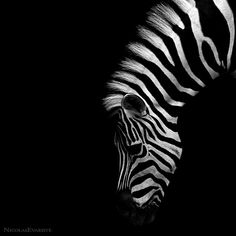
x,y
146,98
209,57
171,126
135,132
135,149
143,192
143,165
161,159
123,134
189,42
172,110
123,160
137,129
172,156
158,192
159,136
178,69
141,155
144,126
163,80
209,14
141,179
128,125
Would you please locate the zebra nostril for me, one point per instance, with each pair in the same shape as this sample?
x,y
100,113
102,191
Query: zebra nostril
x,y
128,209
125,203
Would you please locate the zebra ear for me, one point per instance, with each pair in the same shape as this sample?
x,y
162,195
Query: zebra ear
x,y
134,104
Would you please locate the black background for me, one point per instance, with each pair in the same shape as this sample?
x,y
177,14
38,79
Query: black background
x,y
59,165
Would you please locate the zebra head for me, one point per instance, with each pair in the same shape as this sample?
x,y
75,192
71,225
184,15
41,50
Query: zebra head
x,y
147,159
176,56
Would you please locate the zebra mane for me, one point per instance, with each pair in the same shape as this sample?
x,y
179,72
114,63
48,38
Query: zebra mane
x,y
161,17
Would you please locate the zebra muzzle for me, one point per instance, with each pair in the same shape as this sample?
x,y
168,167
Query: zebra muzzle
x,y
128,209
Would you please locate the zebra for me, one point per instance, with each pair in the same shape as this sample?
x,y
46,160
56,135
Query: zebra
x,y
175,57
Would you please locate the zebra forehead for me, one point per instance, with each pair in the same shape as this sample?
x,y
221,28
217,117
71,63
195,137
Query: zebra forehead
x,y
112,101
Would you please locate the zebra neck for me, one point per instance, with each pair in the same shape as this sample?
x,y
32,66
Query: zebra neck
x,y
169,110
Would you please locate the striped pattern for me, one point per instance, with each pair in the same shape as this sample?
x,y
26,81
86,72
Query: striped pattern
x,y
174,58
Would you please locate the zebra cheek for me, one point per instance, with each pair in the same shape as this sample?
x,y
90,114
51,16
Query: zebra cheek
x,y
135,149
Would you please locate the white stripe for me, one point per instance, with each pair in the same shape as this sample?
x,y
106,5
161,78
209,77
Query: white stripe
x,y
156,20
167,146
112,100
191,2
186,6
156,41
132,79
198,34
183,59
165,157
223,6
148,182
148,55
166,129
121,87
121,167
159,163
147,196
126,133
166,12
170,147
150,170
195,22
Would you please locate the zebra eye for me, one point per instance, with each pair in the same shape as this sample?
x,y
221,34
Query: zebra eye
x,y
134,103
